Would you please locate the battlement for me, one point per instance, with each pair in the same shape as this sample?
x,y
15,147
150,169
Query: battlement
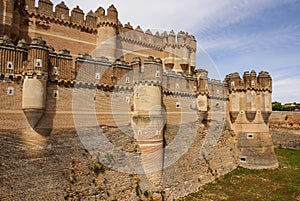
x,y
250,81
158,40
76,17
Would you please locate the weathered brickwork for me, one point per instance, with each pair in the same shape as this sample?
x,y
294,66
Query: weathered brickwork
x,y
284,129
67,78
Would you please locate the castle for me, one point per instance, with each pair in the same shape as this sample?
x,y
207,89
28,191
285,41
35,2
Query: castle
x,y
61,71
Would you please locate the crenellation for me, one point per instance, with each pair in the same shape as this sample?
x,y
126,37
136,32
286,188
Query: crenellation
x,y
30,6
100,12
91,19
127,27
45,7
77,16
62,11
112,14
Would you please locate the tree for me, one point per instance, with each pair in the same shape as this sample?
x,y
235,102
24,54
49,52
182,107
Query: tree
x,y
277,106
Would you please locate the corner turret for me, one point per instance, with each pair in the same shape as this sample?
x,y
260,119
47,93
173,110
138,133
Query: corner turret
x,y
35,81
107,33
147,117
250,107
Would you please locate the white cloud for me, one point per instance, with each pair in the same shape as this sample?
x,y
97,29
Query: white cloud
x,y
286,90
189,15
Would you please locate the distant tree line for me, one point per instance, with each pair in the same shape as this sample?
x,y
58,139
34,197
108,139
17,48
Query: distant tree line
x,y
277,106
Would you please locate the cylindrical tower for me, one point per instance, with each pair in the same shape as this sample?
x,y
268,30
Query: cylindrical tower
x,y
193,49
8,57
35,81
147,119
107,33
249,114
168,52
202,101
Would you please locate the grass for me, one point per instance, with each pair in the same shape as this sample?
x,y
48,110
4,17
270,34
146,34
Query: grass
x,y
282,184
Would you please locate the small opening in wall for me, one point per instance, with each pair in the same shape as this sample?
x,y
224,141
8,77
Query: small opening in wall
x,y
250,136
11,77
157,73
139,132
97,76
95,98
127,80
177,86
157,132
127,99
232,84
55,71
10,65
55,94
243,159
38,63
10,91
177,104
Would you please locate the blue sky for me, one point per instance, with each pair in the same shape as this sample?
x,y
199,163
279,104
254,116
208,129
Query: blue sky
x,y
238,35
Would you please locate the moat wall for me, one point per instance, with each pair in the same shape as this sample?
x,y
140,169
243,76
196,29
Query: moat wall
x,y
51,162
285,129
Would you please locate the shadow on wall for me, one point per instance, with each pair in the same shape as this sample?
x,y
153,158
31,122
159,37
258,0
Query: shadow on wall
x,y
45,125
14,20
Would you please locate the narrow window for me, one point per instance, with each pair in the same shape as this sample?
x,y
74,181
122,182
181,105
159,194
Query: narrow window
x,y
177,86
55,93
127,80
177,104
10,91
26,7
55,71
38,63
232,84
157,73
206,86
139,132
10,65
157,132
252,83
142,69
97,76
62,16
127,99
